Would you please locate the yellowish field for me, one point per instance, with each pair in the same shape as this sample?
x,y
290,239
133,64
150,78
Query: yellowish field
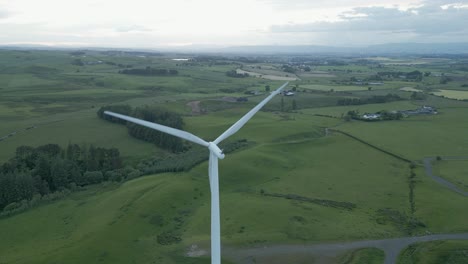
x,y
453,94
268,76
410,89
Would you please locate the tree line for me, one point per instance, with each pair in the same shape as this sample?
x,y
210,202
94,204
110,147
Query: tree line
x,y
49,172
47,169
376,99
151,114
413,76
148,71
235,74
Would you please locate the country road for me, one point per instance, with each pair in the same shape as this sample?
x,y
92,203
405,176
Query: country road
x,y
391,247
440,180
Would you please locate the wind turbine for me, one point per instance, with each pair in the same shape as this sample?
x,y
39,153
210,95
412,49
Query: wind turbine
x,y
215,154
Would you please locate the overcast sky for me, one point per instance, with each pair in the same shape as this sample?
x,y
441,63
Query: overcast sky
x,y
156,23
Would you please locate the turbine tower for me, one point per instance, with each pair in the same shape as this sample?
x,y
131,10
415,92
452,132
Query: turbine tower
x,y
215,154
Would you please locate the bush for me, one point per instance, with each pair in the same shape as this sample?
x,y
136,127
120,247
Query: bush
x,y
12,206
133,174
115,175
93,177
168,238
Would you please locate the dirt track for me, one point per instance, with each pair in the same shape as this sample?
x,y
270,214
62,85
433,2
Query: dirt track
x,y
391,247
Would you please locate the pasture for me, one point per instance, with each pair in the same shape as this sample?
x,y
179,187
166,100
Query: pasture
x,y
296,183
450,251
453,94
456,171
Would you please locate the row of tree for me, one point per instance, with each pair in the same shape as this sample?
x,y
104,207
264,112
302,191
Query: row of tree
x,y
148,71
49,168
151,114
235,74
414,75
376,99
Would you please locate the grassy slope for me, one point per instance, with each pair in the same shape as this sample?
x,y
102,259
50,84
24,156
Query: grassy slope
x,y
364,256
442,210
118,226
451,251
91,129
114,225
111,226
418,137
456,171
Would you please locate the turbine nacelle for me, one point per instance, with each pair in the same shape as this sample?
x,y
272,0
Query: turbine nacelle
x,y
216,150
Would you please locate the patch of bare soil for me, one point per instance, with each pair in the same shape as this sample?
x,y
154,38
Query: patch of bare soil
x,y
195,251
195,106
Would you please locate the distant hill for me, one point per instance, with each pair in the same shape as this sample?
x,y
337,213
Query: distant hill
x,y
421,48
391,48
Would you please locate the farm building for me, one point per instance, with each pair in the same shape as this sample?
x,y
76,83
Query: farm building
x,y
371,116
424,110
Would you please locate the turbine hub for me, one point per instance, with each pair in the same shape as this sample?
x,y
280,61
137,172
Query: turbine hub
x,y
216,150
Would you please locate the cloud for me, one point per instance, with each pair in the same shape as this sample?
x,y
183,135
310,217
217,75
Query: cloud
x,y
308,4
132,28
427,19
4,14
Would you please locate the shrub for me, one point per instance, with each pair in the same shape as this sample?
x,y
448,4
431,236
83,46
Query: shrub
x,y
93,177
168,238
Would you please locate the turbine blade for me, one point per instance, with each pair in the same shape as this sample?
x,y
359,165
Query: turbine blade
x,y
165,129
241,122
215,222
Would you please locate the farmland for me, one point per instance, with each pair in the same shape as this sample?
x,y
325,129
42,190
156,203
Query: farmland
x,y
309,173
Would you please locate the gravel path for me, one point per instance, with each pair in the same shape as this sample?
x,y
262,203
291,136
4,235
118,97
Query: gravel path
x,y
391,247
440,180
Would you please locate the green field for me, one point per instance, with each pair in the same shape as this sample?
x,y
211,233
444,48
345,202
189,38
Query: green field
x,y
297,182
416,137
364,255
450,251
90,219
456,171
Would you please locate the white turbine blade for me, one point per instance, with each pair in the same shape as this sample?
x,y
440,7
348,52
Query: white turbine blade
x,y
215,223
241,122
165,129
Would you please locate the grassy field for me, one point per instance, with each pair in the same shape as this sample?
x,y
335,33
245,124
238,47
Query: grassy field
x,y
439,208
63,129
364,255
301,183
339,111
80,222
451,251
416,137
456,171
111,225
452,94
